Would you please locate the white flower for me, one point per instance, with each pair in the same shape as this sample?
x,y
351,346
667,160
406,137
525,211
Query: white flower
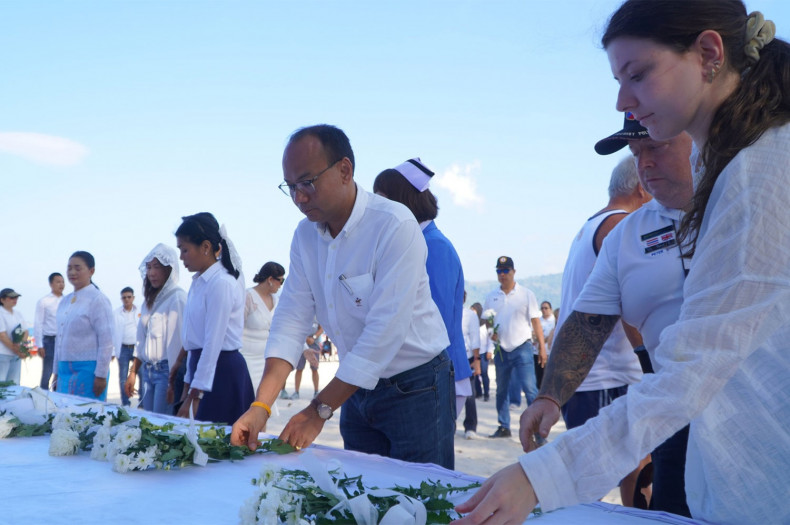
x,y
102,437
62,420
269,473
63,442
99,453
249,511
488,314
128,437
6,427
121,463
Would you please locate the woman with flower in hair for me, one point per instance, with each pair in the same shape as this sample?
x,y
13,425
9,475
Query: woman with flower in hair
x,y
83,344
217,385
159,329
709,68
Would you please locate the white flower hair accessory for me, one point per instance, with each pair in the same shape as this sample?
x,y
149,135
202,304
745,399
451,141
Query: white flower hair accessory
x,y
759,32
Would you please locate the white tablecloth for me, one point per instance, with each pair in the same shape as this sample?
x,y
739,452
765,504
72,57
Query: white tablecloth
x,y
37,488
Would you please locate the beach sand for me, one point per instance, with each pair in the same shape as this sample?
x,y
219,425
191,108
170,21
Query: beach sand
x,y
480,457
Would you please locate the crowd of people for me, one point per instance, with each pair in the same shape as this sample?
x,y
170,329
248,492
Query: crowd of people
x,y
665,358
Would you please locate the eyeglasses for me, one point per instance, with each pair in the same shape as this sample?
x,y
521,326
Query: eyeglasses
x,y
305,187
503,270
280,280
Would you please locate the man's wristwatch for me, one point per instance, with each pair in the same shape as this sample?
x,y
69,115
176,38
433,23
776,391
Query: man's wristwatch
x,y
324,411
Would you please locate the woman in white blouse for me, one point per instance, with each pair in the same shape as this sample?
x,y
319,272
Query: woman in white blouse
x,y
159,329
258,313
10,353
83,344
217,385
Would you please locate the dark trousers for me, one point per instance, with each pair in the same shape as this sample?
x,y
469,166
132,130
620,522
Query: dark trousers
x,y
669,471
470,409
538,371
46,366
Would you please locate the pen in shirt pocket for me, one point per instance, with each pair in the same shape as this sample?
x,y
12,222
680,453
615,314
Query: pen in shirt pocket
x,y
345,284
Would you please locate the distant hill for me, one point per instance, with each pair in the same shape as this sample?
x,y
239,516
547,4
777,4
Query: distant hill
x,y
546,288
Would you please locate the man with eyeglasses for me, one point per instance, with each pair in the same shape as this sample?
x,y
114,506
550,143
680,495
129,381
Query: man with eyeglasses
x,y
517,318
358,267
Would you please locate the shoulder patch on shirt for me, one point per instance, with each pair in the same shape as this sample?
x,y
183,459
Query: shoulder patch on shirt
x,y
658,239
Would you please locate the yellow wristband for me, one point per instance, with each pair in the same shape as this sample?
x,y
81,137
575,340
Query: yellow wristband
x,y
262,405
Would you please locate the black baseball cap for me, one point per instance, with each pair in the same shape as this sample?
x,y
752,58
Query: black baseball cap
x,y
8,292
504,262
617,141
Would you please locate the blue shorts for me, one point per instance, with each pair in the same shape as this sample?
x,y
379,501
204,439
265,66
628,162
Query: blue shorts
x,y
585,405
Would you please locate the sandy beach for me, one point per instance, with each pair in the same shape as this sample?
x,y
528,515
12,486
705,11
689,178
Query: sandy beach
x,y
481,457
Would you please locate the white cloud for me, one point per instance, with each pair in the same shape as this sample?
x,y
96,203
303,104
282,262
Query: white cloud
x,y
460,181
43,149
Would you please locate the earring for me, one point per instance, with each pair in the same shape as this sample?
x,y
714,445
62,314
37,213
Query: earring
x,y
713,71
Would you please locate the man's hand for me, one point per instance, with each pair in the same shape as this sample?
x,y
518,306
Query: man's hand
x,y
303,428
309,355
129,385
543,358
42,353
476,366
506,497
245,430
538,418
99,384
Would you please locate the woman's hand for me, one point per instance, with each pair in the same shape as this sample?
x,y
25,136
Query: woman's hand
x,y
99,384
131,382
506,497
192,399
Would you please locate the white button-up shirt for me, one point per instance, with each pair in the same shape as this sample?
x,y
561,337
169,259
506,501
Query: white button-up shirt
x,y
125,328
45,321
471,328
724,366
85,329
367,287
213,320
513,313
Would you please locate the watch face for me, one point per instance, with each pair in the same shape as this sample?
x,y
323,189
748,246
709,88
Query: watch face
x,y
324,411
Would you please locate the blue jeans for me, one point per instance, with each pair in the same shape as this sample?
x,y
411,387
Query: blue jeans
x,y
520,364
409,416
127,354
46,366
153,393
10,368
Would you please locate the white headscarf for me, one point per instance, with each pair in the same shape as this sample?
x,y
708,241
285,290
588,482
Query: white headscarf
x,y
167,256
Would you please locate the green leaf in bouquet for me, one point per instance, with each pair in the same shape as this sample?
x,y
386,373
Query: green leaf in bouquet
x,y
278,446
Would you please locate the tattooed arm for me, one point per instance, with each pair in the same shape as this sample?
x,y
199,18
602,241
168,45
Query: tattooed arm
x,y
575,348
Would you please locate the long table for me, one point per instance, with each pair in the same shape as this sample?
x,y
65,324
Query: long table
x,y
38,488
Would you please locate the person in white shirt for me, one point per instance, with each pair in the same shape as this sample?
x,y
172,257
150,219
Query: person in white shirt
x,y
518,317
10,319
217,385
159,330
261,300
708,68
470,324
358,266
547,322
84,341
482,382
126,319
45,326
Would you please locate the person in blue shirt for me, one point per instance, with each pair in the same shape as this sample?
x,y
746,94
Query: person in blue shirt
x,y
408,184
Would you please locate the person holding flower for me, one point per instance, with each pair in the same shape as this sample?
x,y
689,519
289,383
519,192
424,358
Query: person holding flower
x,y
708,68
159,329
217,385
11,350
83,344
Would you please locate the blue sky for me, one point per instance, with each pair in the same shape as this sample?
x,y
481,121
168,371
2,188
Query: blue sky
x,y
117,118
